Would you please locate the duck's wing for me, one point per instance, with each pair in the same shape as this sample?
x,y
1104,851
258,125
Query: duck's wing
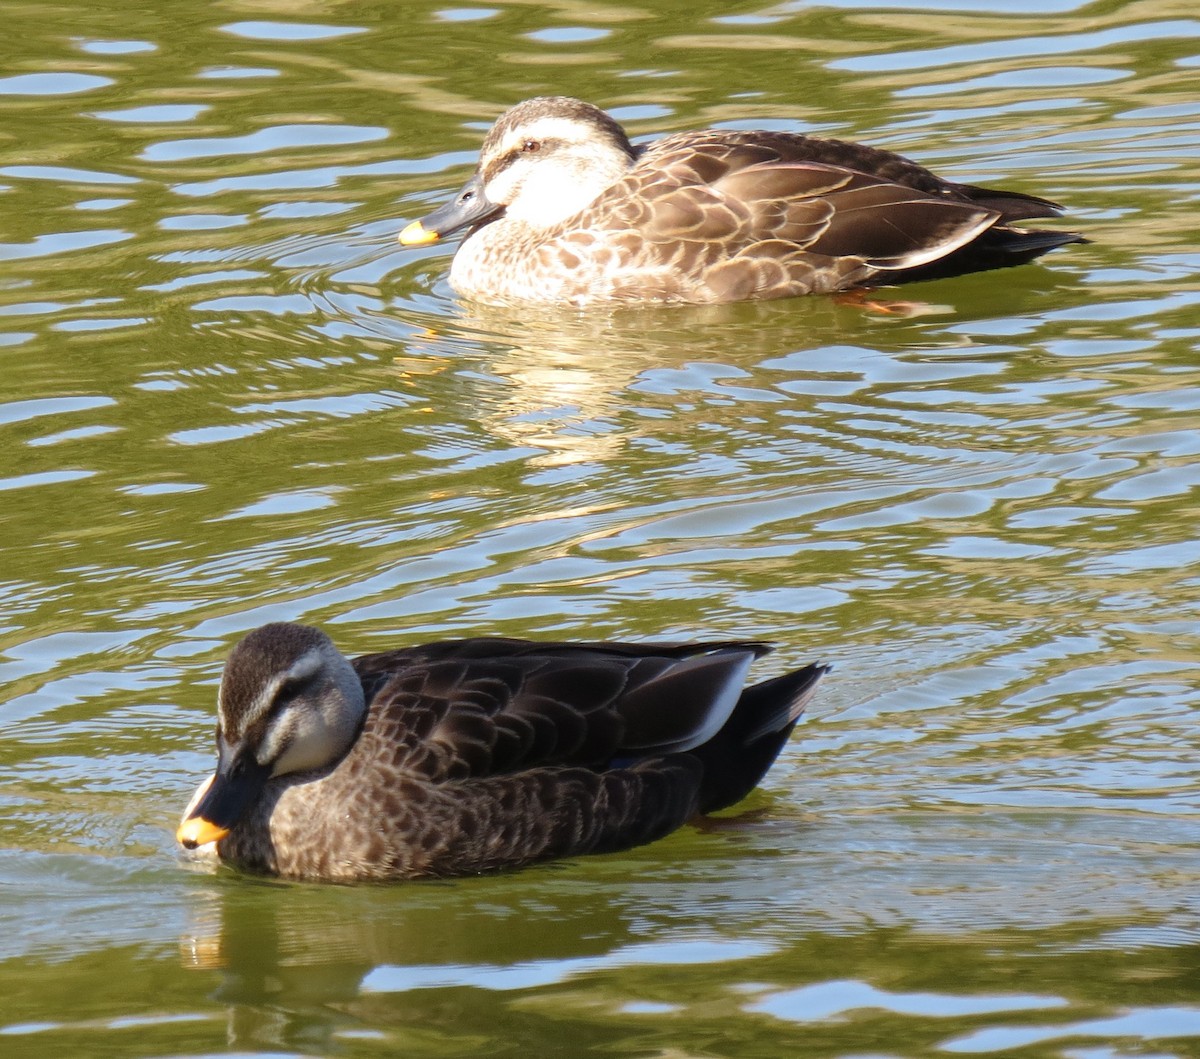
x,y
481,707
824,197
834,212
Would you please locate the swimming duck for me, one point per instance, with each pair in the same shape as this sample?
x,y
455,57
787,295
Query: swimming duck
x,y
468,756
564,209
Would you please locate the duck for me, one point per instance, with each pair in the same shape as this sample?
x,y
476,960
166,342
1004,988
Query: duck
x,y
563,209
468,756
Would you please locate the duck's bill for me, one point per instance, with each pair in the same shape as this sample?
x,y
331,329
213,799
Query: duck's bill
x,y
191,841
416,234
470,206
219,804
196,832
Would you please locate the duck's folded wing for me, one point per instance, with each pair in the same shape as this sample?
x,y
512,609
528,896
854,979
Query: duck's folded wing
x,y
836,212
776,210
477,708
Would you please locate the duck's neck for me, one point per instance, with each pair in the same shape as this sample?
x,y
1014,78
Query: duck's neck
x,y
492,264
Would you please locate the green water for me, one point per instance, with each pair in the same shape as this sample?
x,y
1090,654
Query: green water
x,y
229,397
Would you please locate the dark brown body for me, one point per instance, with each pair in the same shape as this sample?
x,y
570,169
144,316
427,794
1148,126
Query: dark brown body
x,y
482,754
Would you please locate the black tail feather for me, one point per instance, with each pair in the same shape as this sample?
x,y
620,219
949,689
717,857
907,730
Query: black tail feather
x,y
1011,205
998,247
738,756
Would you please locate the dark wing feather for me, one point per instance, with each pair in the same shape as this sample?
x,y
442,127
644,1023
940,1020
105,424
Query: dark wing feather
x,y
1011,205
483,707
837,212
734,150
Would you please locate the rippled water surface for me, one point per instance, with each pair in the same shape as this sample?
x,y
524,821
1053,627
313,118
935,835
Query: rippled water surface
x,y
230,397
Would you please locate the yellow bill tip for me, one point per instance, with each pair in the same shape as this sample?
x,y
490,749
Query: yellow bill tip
x,y
196,831
416,234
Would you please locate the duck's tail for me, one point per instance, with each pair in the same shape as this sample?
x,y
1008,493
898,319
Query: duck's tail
x,y
997,247
738,756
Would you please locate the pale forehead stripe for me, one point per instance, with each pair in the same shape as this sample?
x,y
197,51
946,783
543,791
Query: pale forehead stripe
x,y
549,127
304,666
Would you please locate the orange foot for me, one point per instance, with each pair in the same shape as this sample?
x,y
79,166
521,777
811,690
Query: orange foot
x,y
862,298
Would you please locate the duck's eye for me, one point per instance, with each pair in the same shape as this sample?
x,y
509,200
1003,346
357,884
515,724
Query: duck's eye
x,y
293,688
529,146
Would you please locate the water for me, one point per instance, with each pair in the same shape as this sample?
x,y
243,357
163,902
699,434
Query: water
x,y
229,397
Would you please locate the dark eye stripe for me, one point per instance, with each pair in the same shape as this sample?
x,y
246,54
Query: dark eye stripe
x,y
507,159
289,689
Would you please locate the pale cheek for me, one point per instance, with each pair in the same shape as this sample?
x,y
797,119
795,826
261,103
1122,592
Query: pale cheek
x,y
303,753
549,197
299,757
504,188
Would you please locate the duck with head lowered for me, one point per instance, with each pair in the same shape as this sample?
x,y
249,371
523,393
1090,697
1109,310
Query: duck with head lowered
x,y
563,209
468,756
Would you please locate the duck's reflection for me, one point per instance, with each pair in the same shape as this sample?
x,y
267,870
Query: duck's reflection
x,y
303,966
300,965
578,386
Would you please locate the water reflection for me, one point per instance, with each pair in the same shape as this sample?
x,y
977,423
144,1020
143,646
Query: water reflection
x,y
298,964
304,967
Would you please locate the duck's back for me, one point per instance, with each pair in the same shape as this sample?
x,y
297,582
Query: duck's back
x,y
715,152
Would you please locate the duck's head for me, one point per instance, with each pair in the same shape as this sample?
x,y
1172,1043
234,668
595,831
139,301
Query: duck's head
x,y
289,702
543,160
